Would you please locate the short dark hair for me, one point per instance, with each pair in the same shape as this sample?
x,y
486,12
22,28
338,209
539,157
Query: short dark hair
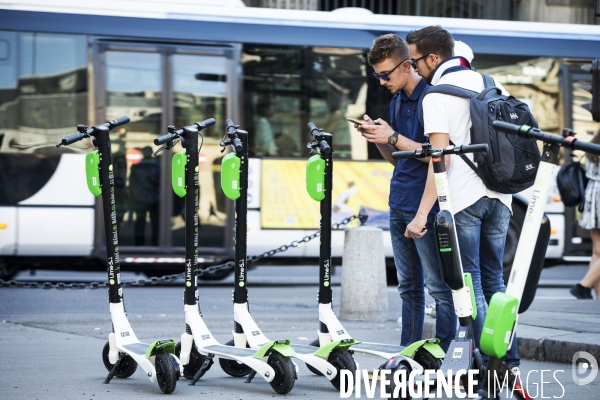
x,y
432,40
388,46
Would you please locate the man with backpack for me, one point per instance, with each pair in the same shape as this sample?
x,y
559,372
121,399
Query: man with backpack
x,y
481,214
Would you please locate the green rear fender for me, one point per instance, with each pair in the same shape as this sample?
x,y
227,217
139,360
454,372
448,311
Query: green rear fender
x,y
167,344
430,345
329,347
281,346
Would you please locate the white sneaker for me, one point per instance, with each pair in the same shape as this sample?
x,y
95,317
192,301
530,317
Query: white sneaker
x,y
399,322
430,310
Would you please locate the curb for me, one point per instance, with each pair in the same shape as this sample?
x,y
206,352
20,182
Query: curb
x,y
543,344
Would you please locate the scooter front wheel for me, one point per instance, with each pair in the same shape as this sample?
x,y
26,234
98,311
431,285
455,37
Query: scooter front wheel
x,y
127,367
167,371
390,388
285,373
232,367
341,359
427,360
312,369
196,360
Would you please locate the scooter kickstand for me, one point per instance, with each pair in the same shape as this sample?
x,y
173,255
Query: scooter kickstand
x,y
113,370
251,376
205,367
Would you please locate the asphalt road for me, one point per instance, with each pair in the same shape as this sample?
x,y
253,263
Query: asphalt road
x,y
52,340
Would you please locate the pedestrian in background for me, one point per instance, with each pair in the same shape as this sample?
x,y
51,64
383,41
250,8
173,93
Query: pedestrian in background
x,y
415,257
590,219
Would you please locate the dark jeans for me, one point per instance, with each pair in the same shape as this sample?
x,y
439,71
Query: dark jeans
x,y
417,266
481,230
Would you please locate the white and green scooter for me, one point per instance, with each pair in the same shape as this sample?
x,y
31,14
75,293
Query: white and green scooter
x,y
328,361
424,354
271,359
501,321
123,351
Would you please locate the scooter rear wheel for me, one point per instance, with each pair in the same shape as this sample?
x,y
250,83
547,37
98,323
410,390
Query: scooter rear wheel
x,y
427,360
167,371
232,367
285,373
127,367
341,359
196,360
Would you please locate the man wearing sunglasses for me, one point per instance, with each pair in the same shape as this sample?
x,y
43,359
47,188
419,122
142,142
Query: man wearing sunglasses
x,y
481,215
415,258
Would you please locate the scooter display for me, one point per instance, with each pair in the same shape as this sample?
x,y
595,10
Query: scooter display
x,y
462,353
234,182
123,351
319,176
198,346
502,318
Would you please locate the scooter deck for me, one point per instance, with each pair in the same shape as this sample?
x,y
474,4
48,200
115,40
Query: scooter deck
x,y
378,349
459,356
137,348
219,349
303,348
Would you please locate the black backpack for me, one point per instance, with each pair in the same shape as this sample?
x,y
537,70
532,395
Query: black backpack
x,y
511,163
571,182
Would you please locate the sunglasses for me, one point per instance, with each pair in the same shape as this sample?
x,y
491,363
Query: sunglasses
x,y
413,63
385,76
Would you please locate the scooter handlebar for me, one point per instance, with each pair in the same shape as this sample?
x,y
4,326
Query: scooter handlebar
x,y
117,122
400,155
166,138
473,148
205,124
527,131
230,126
72,139
237,145
312,127
325,148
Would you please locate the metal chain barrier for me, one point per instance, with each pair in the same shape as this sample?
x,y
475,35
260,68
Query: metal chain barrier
x,y
170,278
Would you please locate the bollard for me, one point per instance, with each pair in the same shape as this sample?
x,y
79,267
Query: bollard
x,y
364,282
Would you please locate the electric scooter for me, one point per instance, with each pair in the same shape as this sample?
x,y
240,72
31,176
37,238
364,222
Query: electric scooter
x,y
501,321
319,177
198,346
123,351
462,353
234,182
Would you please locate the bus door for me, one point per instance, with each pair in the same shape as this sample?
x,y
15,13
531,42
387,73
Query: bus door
x,y
157,86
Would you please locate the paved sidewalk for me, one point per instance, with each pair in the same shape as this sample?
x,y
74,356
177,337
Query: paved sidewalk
x,y
555,326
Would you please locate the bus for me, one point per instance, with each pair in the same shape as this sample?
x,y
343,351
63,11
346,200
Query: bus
x,y
272,71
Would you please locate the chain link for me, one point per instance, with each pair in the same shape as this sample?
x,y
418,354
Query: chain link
x,y
230,265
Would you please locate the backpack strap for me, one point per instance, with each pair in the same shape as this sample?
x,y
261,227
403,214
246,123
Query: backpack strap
x,y
469,163
442,89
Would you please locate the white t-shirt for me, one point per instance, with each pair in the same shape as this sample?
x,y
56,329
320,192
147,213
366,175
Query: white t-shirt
x,y
443,113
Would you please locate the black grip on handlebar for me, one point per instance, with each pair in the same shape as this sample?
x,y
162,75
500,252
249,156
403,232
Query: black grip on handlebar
x,y
237,145
587,147
118,122
72,139
325,148
164,139
507,127
400,155
205,124
229,126
312,127
474,148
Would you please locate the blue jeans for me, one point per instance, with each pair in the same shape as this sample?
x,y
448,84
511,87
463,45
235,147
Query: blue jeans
x,y
417,266
481,230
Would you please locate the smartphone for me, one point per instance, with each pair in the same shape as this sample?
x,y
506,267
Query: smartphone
x,y
359,122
